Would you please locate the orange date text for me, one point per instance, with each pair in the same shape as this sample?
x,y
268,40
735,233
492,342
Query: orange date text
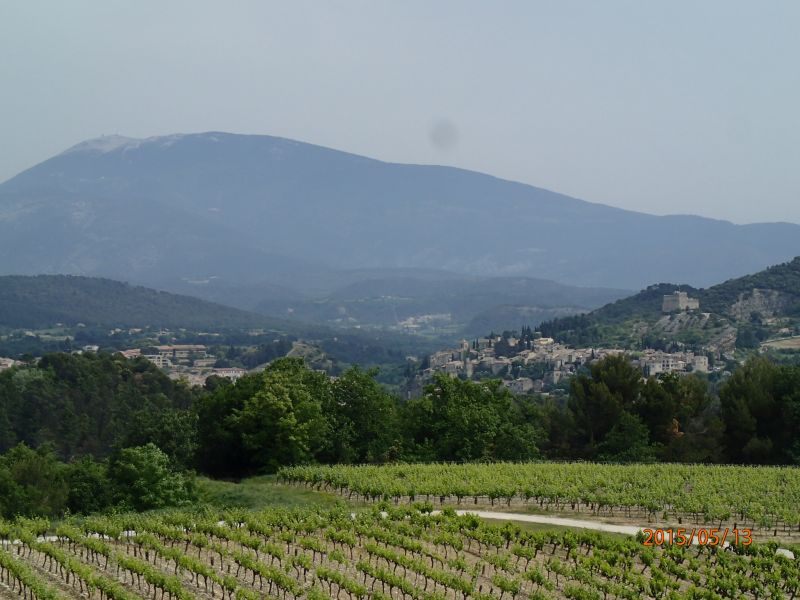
x,y
699,536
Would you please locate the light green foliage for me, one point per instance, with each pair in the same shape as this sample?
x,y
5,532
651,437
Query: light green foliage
x,y
282,423
768,494
144,479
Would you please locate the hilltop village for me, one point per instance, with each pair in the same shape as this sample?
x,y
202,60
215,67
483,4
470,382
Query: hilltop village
x,y
530,363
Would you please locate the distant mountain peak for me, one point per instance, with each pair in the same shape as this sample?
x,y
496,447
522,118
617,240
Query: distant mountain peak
x,y
257,207
103,144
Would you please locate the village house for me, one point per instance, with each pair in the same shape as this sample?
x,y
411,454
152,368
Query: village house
x,y
232,373
521,385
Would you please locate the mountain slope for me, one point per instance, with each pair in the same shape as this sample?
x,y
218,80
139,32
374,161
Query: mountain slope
x,y
258,208
739,312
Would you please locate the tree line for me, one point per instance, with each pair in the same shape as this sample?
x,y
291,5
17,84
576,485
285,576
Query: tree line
x,y
73,420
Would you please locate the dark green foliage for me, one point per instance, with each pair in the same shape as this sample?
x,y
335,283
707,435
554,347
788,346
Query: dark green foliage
x,y
32,482
461,420
90,489
628,441
283,423
44,300
220,450
173,431
751,336
761,410
289,414
670,418
598,399
86,404
363,420
36,483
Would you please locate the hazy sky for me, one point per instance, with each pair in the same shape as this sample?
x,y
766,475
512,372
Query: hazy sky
x,y
664,107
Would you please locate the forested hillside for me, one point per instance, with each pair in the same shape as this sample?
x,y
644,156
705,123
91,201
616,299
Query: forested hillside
x,y
43,300
782,280
91,403
747,310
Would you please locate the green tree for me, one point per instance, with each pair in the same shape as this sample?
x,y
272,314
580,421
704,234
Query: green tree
x,y
89,486
628,441
283,422
597,400
143,478
220,451
363,420
173,431
32,482
463,420
760,406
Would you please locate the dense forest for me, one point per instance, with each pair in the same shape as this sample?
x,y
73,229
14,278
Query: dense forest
x,y
95,431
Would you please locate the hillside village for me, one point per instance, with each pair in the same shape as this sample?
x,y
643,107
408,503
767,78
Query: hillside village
x,y
552,361
532,363
189,362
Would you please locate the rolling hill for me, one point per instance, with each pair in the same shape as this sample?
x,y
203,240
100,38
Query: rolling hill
x,y
43,300
246,209
740,312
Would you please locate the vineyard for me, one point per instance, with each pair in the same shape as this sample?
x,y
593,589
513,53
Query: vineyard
x,y
405,553
766,499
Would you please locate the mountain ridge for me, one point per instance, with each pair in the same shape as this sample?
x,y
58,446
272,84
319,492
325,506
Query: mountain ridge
x,y
249,208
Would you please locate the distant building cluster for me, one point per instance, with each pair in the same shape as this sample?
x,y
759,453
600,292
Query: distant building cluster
x,y
654,362
478,360
553,362
189,362
678,302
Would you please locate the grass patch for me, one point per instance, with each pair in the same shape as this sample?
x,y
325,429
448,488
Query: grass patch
x,y
260,492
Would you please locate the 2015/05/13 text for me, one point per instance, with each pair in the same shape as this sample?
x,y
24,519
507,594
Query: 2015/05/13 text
x,y
700,536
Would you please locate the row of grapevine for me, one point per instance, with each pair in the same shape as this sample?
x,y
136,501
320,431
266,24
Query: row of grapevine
x,y
392,553
748,496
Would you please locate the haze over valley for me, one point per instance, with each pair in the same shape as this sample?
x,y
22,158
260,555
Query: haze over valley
x,y
298,231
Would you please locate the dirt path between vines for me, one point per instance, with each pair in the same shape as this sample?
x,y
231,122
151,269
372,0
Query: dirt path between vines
x,y
550,520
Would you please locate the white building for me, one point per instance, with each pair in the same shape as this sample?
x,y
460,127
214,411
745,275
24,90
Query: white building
x,y
232,373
